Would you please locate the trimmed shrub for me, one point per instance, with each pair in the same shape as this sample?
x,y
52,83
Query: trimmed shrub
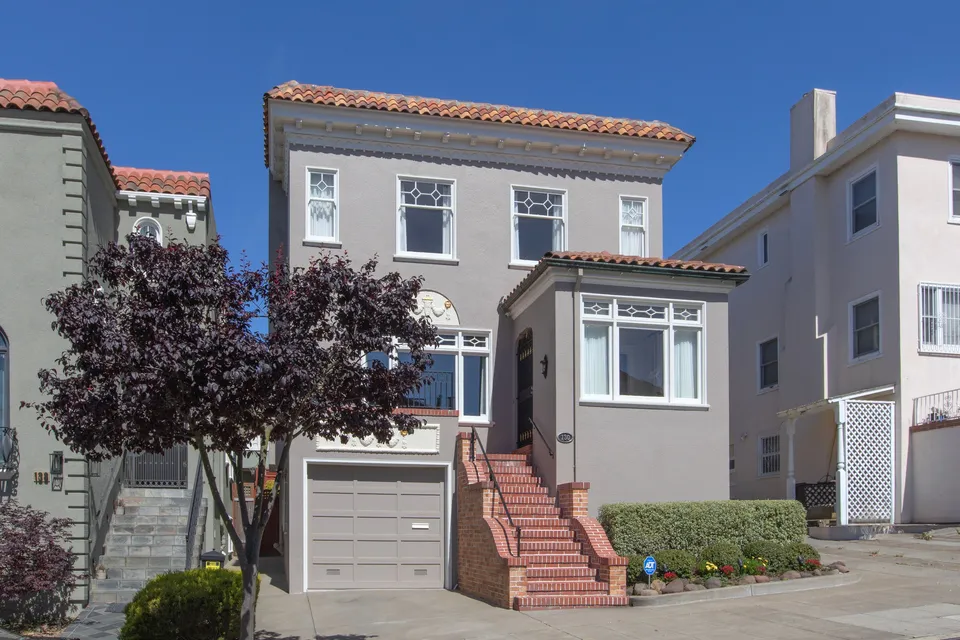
x,y
778,556
804,550
200,604
639,528
635,572
677,560
722,553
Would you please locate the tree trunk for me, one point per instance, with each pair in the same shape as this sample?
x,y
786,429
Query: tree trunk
x,y
249,568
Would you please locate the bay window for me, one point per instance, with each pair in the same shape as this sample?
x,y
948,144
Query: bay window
x,y
640,350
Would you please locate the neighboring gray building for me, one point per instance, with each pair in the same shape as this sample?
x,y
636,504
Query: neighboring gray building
x,y
625,354
60,200
844,361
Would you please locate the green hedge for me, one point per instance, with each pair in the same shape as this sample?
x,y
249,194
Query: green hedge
x,y
722,553
778,556
200,604
642,528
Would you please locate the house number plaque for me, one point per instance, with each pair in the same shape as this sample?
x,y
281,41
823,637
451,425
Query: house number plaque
x,y
564,438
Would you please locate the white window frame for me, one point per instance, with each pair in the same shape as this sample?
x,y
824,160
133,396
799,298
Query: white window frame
x,y
417,256
938,347
851,338
772,387
333,240
763,257
152,222
953,217
460,350
669,325
851,235
514,217
644,245
761,455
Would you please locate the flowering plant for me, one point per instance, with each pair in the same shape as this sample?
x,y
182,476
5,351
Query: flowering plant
x,y
707,569
727,570
811,564
670,576
755,566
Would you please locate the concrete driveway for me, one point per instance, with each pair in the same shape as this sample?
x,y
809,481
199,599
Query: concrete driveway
x,y
904,592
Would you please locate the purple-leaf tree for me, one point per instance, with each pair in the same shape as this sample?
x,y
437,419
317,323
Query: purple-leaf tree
x,y
163,349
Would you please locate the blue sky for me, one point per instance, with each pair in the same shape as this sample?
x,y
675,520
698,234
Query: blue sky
x,y
178,85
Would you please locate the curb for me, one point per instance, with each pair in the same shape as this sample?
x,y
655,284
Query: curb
x,y
745,591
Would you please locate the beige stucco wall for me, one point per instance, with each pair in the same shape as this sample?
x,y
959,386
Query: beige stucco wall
x,y
934,475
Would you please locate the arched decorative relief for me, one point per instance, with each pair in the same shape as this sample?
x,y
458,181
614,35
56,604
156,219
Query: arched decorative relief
x,y
423,439
437,308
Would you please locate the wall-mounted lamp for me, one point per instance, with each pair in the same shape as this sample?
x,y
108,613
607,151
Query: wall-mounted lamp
x,y
56,470
545,365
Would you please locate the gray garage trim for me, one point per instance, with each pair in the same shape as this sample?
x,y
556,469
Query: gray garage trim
x,y
448,481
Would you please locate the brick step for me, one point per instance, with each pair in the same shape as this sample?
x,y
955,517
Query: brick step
x,y
526,450
566,587
527,498
148,529
110,597
532,547
546,522
527,510
508,468
541,602
507,457
559,573
166,563
545,534
521,489
516,478
140,540
131,519
556,560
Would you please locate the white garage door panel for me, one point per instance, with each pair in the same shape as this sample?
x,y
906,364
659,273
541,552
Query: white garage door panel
x,y
375,527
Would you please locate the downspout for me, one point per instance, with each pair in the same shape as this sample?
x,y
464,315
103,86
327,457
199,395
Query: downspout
x,y
576,364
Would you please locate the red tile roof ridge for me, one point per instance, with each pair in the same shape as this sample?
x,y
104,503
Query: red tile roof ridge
x,y
670,263
192,183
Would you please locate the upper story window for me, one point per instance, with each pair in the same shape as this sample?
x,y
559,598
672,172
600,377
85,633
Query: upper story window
x,y
863,203
955,191
939,318
763,248
769,363
539,218
323,210
149,228
633,226
865,327
426,218
641,350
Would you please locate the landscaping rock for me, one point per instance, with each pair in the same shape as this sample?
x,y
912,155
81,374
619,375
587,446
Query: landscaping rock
x,y
649,592
806,574
761,579
790,575
630,590
831,572
714,583
839,566
748,580
676,586
695,587
817,572
658,585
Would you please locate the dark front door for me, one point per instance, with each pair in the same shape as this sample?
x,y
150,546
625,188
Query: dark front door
x,y
525,389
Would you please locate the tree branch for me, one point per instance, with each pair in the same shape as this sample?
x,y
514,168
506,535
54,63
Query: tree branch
x,y
217,498
237,463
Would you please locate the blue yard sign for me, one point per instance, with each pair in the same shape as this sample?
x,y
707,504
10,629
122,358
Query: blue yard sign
x,y
649,565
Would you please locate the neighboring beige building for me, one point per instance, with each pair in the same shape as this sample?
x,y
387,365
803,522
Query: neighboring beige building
x,y
845,344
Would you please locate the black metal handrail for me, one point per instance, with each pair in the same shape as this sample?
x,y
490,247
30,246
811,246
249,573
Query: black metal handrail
x,y
546,444
496,485
194,513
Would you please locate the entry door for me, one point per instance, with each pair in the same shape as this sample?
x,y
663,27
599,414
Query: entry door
x,y
375,527
525,389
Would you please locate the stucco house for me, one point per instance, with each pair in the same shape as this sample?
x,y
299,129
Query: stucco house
x,y
61,198
565,353
844,358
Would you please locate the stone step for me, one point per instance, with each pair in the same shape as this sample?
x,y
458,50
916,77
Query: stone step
x,y
534,547
144,492
135,519
556,560
566,587
166,563
139,540
148,510
148,529
559,573
110,597
138,501
542,602
149,550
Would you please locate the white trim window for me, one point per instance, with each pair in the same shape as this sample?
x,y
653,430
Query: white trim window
x,y
955,190
149,228
425,218
768,364
768,455
865,327
642,351
763,248
939,318
633,226
863,203
539,223
323,205
459,377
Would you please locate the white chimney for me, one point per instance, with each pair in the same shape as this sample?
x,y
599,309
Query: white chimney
x,y
813,124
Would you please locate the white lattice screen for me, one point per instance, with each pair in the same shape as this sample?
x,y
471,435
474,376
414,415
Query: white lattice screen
x,y
870,461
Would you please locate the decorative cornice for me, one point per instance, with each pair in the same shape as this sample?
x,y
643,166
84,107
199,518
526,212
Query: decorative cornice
x,y
178,200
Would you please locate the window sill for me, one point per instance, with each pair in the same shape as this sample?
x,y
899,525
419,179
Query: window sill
x,y
766,390
471,422
934,352
323,244
644,405
866,358
523,266
417,411
953,220
419,257
863,232
767,476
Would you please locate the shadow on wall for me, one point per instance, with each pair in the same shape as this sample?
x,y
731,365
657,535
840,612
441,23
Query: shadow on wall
x,y
502,438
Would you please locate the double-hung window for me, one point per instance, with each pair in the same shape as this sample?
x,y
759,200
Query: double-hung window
x,y
865,327
769,361
955,191
458,379
769,455
4,385
539,220
633,226
940,318
426,218
323,211
642,350
863,203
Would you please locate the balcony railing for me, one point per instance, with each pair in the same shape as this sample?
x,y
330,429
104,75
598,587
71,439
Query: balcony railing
x,y
436,391
937,407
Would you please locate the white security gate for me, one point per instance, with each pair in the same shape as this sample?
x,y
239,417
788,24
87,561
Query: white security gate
x,y
869,453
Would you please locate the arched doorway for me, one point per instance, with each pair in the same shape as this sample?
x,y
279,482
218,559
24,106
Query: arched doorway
x,y
525,388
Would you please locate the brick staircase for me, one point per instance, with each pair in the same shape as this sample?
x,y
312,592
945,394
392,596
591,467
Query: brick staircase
x,y
147,540
564,559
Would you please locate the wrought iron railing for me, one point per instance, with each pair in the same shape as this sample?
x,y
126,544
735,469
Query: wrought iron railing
x,y
475,440
194,514
540,433
164,470
937,407
436,391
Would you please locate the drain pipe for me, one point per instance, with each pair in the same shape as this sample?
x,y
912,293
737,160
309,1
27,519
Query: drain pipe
x,y
576,364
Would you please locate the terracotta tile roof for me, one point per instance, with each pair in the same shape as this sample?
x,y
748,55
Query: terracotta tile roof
x,y
332,96
626,264
186,183
29,95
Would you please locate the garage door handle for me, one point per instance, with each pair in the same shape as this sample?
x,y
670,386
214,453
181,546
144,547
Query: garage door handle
x,y
420,525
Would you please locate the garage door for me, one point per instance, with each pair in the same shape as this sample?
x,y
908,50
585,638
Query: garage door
x,y
375,527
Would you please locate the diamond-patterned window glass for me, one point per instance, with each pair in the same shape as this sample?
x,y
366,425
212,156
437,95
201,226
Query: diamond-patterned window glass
x,y
322,205
426,217
447,339
632,226
474,341
769,455
686,314
538,224
599,308
641,311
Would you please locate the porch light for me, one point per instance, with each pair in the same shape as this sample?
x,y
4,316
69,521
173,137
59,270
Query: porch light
x,y
56,471
6,445
545,365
